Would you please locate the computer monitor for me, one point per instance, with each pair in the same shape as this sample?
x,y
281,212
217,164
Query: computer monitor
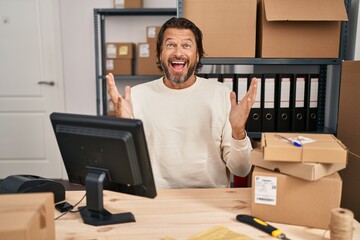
x,y
104,153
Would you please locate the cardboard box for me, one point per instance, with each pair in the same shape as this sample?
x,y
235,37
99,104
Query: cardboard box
x,y
152,33
128,3
225,35
306,171
146,60
300,29
349,133
27,216
119,66
316,148
285,199
120,50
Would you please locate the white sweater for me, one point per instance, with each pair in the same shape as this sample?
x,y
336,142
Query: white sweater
x,y
189,134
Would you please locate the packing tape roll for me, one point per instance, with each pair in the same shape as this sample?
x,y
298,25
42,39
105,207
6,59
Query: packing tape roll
x,y
341,224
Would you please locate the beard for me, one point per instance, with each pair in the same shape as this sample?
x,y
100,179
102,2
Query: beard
x,y
178,78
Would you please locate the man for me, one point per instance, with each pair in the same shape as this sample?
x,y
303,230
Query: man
x,y
194,127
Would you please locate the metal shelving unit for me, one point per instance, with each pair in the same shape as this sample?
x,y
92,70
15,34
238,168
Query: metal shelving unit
x,y
323,64
100,47
327,108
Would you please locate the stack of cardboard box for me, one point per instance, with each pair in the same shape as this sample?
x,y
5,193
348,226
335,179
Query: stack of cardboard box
x,y
297,185
27,216
146,53
120,58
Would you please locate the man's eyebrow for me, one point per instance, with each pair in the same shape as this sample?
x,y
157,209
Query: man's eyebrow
x,y
186,39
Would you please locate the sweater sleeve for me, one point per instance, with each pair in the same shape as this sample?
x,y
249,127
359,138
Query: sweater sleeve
x,y
238,158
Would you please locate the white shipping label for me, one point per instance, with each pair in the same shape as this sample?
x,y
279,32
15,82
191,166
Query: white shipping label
x,y
111,51
109,64
265,190
144,50
151,32
119,3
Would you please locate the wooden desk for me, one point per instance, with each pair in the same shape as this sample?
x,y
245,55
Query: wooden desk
x,y
177,213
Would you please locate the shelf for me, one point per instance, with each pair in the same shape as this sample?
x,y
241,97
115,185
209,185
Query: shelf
x,y
136,77
270,61
136,11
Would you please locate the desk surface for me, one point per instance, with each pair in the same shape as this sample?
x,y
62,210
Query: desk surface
x,y
176,213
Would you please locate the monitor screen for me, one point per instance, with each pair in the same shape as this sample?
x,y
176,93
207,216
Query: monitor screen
x,y
104,153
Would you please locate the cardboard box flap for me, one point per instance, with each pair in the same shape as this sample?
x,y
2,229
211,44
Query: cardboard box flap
x,y
305,10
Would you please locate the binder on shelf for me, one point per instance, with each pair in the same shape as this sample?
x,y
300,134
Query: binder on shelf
x,y
241,86
312,102
202,75
283,101
268,103
214,77
228,80
298,103
254,120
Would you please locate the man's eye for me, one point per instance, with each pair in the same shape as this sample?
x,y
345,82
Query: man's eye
x,y
187,46
170,45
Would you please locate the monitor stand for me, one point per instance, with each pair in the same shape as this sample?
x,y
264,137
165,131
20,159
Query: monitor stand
x,y
94,213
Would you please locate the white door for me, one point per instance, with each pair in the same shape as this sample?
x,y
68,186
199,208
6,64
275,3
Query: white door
x,y
31,87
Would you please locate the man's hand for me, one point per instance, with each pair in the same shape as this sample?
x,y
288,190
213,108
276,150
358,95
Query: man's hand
x,y
122,106
239,113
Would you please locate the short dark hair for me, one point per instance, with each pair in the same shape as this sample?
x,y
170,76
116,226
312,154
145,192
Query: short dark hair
x,y
180,23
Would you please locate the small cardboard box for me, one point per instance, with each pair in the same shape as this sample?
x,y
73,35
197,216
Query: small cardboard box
x,y
119,66
120,50
285,199
316,148
146,60
306,171
300,29
152,33
128,3
236,28
28,216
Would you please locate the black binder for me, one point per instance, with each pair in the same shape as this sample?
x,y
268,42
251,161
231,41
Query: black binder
x,y
228,80
213,77
254,120
283,101
241,85
298,103
268,103
312,102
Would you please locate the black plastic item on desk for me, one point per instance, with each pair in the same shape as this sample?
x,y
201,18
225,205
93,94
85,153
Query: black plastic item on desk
x,y
32,184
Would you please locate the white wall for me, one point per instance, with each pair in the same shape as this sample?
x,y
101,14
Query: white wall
x,y
77,24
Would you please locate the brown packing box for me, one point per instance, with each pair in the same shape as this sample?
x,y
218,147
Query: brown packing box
x,y
119,66
285,199
27,216
299,29
120,50
349,133
146,60
325,148
152,33
306,171
225,23
128,3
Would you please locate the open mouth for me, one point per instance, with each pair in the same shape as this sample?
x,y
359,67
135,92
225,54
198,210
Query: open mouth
x,y
178,65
